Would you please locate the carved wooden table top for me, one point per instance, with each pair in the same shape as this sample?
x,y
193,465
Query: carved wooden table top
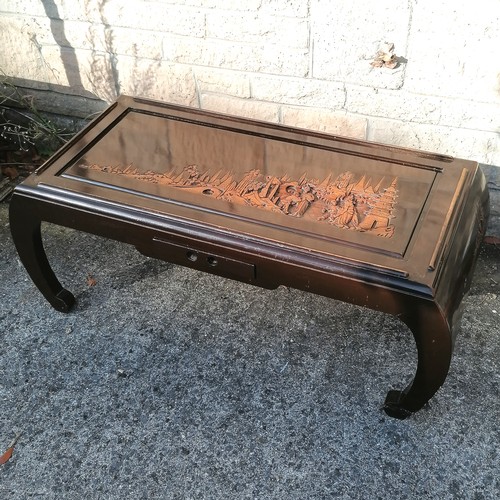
x,y
392,229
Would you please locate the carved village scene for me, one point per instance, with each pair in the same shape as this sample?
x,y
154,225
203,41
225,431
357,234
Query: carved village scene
x,y
345,201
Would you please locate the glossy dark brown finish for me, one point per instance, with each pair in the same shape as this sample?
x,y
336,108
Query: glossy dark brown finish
x,y
391,229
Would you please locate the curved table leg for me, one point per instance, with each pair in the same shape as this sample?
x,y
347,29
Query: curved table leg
x,y
434,340
25,229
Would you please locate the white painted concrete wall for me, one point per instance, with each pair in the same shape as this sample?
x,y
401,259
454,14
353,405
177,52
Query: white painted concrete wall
x,y
299,62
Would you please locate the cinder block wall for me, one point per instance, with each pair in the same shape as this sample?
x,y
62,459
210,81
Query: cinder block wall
x,y
304,63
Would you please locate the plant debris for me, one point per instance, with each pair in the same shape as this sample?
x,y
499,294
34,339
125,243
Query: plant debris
x,y
10,450
492,240
10,172
386,58
15,166
91,281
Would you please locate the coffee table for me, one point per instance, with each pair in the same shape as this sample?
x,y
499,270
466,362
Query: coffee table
x,y
391,229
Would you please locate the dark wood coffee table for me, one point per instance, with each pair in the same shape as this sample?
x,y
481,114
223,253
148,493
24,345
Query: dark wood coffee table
x,y
390,229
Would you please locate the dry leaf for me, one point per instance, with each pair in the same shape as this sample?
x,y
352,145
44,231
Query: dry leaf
x,y
391,64
91,281
491,240
385,57
10,172
6,456
10,450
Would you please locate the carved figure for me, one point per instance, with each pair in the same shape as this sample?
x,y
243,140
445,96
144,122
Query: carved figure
x,y
345,201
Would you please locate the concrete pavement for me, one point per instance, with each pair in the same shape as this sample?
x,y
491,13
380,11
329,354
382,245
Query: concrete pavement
x,y
167,383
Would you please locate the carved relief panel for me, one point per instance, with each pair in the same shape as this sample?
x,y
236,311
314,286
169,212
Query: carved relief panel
x,y
294,187
344,201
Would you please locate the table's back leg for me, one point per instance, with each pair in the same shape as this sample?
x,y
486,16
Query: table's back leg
x,y
434,340
26,233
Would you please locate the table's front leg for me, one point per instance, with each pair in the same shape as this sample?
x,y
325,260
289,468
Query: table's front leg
x,y
25,228
434,340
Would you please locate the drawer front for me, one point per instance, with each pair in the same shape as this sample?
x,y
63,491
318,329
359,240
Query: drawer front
x,y
201,259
